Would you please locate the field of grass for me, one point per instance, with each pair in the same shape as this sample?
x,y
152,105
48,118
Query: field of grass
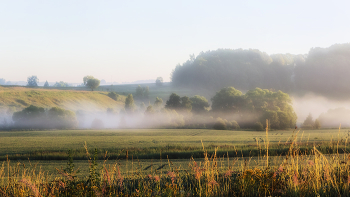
x,y
134,162
17,98
156,143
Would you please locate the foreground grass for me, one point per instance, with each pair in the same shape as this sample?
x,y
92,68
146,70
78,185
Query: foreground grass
x,y
295,175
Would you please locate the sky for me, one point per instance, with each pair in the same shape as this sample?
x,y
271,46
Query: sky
x,y
125,41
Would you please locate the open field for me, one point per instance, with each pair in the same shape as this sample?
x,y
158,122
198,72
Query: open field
x,y
153,143
296,173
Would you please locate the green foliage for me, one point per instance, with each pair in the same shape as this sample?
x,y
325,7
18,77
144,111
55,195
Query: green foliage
x,y
36,117
174,102
244,69
86,78
142,93
46,84
159,81
30,117
308,122
113,95
32,81
158,103
60,84
258,126
129,104
178,103
61,119
149,110
199,104
92,83
317,124
256,105
186,103
220,124
227,100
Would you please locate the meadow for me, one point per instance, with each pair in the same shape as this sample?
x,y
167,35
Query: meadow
x,y
315,162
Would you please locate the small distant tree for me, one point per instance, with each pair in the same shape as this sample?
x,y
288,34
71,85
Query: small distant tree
x,y
142,92
91,82
159,81
2,81
129,103
149,110
61,84
317,124
308,122
86,78
46,84
113,95
174,102
32,81
158,103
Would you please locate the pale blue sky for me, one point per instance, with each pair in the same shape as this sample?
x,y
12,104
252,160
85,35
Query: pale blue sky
x,y
137,40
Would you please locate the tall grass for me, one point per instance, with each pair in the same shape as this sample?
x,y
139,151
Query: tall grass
x,y
293,174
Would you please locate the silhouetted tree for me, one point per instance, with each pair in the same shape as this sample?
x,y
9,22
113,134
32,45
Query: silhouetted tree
x,y
159,81
32,81
46,84
199,104
129,104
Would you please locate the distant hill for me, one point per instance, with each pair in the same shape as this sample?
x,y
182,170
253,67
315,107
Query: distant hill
x,y
17,98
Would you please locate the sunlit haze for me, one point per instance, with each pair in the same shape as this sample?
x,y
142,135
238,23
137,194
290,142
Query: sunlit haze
x,y
125,41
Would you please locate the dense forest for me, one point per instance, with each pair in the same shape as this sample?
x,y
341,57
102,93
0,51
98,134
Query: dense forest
x,y
324,71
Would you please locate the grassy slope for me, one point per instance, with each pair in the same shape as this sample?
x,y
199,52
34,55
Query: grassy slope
x,y
17,98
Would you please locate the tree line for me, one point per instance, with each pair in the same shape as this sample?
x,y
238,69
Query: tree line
x,y
323,71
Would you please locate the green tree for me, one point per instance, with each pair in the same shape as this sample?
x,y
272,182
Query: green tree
x,y
46,84
113,95
308,122
86,78
129,104
199,104
61,84
92,83
61,119
159,81
158,103
227,100
174,102
149,110
186,104
32,81
317,124
142,93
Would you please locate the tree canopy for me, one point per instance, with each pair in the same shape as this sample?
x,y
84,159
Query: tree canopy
x,y
32,81
91,82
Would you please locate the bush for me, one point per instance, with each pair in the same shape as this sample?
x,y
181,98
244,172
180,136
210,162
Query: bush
x,y
113,95
235,125
220,124
258,126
